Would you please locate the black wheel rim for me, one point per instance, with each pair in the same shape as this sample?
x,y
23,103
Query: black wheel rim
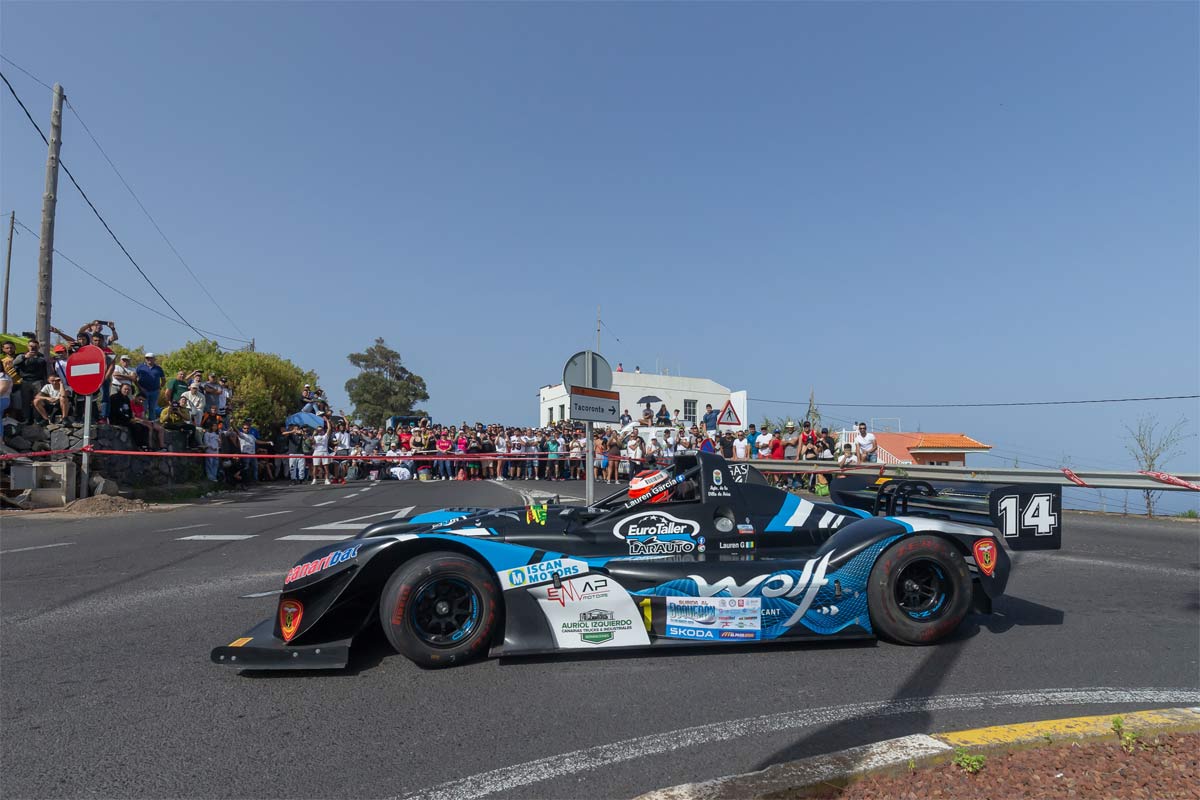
x,y
922,590
445,611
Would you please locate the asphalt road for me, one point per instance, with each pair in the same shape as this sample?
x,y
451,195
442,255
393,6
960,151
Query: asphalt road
x,y
106,624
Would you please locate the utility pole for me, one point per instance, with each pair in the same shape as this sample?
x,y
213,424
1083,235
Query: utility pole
x,y
49,202
12,220
597,329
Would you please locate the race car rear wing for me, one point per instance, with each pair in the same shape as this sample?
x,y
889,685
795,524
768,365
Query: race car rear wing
x,y
1028,516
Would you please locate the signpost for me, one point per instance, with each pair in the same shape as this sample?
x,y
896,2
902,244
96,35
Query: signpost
x,y
588,377
86,370
728,416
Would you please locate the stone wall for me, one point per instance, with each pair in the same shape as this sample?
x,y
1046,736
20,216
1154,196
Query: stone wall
x,y
128,472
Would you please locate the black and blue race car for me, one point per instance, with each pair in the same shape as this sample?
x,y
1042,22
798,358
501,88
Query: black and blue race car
x,y
705,552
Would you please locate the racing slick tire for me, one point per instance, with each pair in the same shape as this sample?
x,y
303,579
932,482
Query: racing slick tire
x,y
440,609
919,590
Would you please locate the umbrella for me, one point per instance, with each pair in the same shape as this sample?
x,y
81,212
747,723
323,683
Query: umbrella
x,y
308,420
650,399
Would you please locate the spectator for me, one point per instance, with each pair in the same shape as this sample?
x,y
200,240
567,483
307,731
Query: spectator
x,y
791,442
109,363
8,355
577,457
224,399
149,380
293,438
123,374
231,447
32,368
176,386
847,458
763,444
176,417
726,445
626,419
777,448
212,393
121,410
391,440
192,403
752,438
552,473
501,447
212,451
321,462
741,446
636,455
51,395
340,446
662,418
613,459
709,420
6,384
308,400
620,367
443,466
865,446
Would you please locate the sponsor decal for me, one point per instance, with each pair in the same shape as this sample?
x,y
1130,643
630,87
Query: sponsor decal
x,y
777,584
596,626
589,590
984,551
717,487
736,545
745,530
700,544
718,478
541,572
312,567
738,472
712,617
290,614
653,533
535,515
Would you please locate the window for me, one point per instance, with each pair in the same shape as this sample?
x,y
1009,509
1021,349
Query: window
x,y
689,410
551,420
562,413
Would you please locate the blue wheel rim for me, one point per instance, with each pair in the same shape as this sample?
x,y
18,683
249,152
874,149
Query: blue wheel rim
x,y
922,590
445,611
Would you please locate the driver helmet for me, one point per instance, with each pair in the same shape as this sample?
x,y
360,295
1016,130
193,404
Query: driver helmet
x,y
644,483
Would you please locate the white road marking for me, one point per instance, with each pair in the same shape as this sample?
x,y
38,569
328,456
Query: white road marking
x,y
404,512
217,537
268,514
356,523
326,503
508,779
185,527
36,547
259,594
808,771
314,537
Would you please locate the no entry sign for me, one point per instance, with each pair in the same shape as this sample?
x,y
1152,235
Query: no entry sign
x,y
85,370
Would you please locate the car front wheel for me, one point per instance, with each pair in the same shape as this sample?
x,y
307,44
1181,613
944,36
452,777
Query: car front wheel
x,y
440,609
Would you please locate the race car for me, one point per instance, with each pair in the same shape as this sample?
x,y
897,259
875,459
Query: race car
x,y
705,552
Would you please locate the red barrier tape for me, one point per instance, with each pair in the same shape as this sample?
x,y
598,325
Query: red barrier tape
x,y
1075,479
1163,477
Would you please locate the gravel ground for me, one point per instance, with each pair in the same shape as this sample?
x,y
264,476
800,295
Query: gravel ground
x,y
1165,766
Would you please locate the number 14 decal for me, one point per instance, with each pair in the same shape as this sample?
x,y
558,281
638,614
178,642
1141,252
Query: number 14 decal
x,y
1037,516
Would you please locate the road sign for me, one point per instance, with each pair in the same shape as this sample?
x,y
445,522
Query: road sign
x,y
85,369
728,416
595,405
576,369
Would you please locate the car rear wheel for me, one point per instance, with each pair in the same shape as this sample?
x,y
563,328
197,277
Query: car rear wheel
x,y
919,590
439,609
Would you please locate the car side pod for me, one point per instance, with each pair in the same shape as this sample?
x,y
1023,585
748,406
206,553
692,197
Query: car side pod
x,y
260,649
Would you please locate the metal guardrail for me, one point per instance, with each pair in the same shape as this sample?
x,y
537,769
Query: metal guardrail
x,y
1094,479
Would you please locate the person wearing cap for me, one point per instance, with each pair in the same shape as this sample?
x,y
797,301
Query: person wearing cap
x,y
123,374
192,403
149,380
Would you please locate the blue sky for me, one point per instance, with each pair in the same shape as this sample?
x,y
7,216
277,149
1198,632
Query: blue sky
x,y
976,202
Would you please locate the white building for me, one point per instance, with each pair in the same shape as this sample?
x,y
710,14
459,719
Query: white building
x,y
688,395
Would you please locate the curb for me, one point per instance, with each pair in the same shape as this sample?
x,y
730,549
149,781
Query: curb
x,y
794,777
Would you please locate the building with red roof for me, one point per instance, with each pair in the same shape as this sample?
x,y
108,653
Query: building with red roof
x,y
934,449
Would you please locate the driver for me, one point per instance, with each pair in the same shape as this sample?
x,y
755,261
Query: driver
x,y
647,481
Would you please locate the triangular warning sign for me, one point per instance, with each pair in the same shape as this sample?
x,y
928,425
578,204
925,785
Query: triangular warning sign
x,y
728,416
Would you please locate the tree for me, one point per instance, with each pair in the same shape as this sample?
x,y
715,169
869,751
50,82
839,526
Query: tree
x,y
266,387
1152,449
384,386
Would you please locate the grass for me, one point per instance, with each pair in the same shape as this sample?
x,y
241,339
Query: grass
x,y
967,762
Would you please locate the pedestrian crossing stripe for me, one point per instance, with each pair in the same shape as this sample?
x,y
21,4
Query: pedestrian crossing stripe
x,y
728,416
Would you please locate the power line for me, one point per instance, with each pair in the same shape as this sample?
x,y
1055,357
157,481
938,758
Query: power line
x,y
103,282
100,217
35,78
982,405
153,222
